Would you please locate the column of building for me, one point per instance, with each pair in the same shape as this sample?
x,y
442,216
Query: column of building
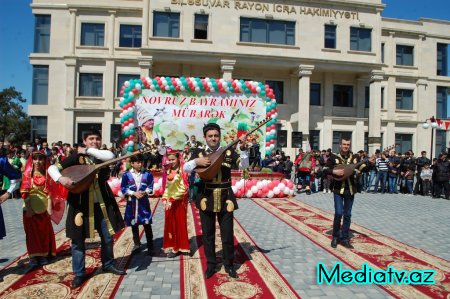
x,y
304,78
227,67
374,139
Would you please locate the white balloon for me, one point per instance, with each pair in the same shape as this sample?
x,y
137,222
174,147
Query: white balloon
x,y
121,114
197,89
195,83
276,190
254,83
156,186
209,84
126,83
234,189
281,186
182,88
258,89
249,194
272,146
131,126
131,94
152,87
291,192
130,143
274,101
148,79
138,86
273,116
254,189
272,131
259,184
212,89
239,84
270,194
286,191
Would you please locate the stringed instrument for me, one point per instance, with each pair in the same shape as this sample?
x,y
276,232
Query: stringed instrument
x,y
84,175
216,158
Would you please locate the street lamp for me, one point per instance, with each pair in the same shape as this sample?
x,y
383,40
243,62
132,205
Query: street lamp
x,y
434,125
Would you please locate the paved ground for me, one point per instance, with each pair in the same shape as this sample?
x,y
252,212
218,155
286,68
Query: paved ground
x,y
418,221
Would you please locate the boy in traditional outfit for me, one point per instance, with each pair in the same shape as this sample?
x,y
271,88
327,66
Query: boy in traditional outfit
x,y
137,185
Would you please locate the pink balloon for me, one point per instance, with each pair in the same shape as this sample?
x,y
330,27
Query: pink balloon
x,y
265,190
259,194
290,184
233,182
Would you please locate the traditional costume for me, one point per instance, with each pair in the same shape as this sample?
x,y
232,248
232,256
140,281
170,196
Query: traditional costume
x,y
44,197
215,199
175,197
95,208
8,171
138,211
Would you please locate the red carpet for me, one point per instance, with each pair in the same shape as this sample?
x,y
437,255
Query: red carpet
x,y
376,250
258,278
54,279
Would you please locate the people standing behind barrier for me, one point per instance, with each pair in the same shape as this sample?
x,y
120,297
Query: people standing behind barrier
x,y
442,176
254,154
382,173
395,160
426,175
420,162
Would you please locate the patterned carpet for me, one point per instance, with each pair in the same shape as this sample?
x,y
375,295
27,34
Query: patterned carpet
x,y
377,250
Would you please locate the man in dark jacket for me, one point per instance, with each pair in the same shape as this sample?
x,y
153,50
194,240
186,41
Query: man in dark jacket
x,y
420,162
94,208
442,175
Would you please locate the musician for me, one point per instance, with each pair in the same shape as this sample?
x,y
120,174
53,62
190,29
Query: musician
x,y
344,192
93,208
215,198
193,143
7,170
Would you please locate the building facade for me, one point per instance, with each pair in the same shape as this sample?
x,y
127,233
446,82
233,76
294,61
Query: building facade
x,y
338,67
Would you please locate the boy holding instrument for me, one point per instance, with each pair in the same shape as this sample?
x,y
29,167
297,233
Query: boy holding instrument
x,y
95,207
344,192
215,198
137,185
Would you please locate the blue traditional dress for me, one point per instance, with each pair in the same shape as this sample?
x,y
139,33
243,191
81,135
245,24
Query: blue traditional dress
x,y
137,211
7,170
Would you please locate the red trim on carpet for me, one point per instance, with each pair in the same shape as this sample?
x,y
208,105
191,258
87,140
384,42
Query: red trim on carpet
x,y
379,254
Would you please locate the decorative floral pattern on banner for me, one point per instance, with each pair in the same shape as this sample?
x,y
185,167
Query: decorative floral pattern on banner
x,y
172,109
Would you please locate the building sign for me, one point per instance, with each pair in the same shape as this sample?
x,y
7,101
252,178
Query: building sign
x,y
270,8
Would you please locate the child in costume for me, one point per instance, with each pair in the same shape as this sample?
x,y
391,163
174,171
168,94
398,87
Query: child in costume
x,y
175,199
137,185
44,200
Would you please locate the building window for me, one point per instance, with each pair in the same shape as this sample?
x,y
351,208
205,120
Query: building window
x,y
337,136
166,24
442,98
330,36
92,34
360,39
42,34
343,96
405,55
91,85
382,97
278,89
38,127
382,52
314,94
121,78
130,36
201,26
403,142
267,31
367,97
441,142
404,99
40,85
442,59
314,139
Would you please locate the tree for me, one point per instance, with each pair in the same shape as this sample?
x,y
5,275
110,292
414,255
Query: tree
x,y
14,122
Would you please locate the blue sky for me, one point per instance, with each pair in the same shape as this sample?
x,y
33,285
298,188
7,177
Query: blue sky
x,y
17,22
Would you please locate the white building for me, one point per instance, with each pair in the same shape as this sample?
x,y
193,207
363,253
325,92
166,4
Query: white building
x,y
337,66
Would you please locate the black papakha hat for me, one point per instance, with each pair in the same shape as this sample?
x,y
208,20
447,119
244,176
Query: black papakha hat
x,y
210,126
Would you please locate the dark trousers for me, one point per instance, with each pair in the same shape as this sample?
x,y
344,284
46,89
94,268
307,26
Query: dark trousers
x,y
79,246
208,220
439,185
343,204
148,234
418,188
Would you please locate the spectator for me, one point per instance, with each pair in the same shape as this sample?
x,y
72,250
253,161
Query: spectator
x,y
426,175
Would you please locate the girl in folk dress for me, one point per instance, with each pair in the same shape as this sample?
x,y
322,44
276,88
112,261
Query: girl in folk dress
x,y
44,201
175,199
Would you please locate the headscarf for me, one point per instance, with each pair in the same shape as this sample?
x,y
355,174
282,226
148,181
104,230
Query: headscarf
x,y
166,167
57,192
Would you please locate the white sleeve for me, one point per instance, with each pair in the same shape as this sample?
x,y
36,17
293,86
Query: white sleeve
x,y
103,155
244,163
13,186
54,173
189,166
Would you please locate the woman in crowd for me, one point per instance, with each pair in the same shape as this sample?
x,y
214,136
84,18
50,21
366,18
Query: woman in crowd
x,y
175,199
44,201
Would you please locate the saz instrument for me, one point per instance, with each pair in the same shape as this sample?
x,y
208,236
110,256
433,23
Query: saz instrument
x,y
349,169
83,175
216,158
